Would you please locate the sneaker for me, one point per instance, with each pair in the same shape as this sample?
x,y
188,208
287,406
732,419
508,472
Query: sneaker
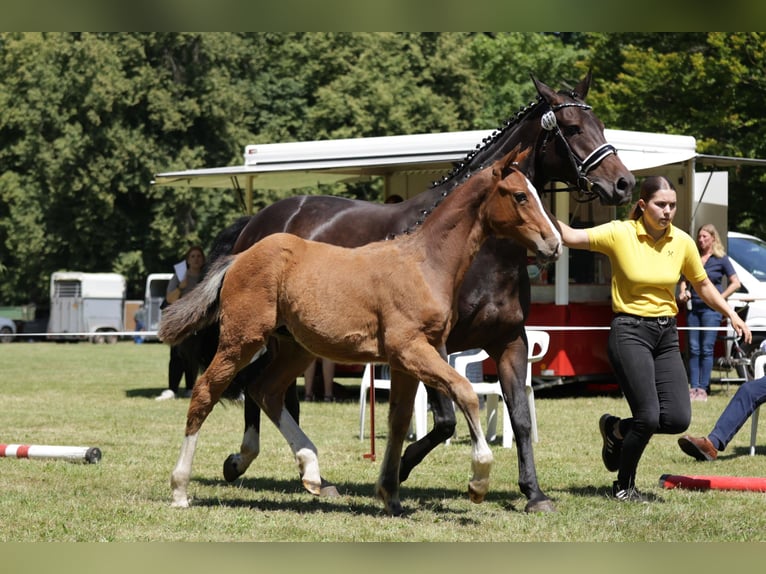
x,y
166,395
630,494
610,452
698,394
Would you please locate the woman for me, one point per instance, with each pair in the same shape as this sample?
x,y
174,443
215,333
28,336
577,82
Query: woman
x,y
648,256
181,365
701,343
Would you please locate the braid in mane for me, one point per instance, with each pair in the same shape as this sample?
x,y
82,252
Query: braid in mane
x,y
463,170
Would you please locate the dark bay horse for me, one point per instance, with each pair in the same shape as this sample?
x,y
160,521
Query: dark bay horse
x,y
566,143
388,302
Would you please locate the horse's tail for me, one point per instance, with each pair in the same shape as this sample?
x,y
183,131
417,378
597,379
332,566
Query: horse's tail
x,y
196,309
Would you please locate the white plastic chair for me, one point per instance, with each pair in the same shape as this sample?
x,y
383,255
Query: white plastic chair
x,y
539,342
383,382
759,370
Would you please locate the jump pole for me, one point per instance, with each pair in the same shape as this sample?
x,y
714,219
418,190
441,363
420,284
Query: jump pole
x,y
751,483
75,453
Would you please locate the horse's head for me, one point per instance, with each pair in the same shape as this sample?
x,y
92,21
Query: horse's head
x,y
572,147
514,210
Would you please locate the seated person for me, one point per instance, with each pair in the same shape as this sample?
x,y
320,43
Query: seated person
x,y
748,397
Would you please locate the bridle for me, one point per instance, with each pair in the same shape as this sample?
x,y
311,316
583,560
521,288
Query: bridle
x,y
550,124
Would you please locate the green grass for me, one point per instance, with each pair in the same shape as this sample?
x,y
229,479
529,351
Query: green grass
x,y
88,395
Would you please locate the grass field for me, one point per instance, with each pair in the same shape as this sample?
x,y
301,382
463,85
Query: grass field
x,y
83,394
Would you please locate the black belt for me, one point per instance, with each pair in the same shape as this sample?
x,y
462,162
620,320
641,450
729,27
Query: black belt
x,y
665,320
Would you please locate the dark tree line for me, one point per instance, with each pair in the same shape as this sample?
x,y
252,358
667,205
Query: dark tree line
x,y
87,120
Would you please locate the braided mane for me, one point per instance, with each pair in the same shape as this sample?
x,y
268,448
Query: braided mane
x,y
463,170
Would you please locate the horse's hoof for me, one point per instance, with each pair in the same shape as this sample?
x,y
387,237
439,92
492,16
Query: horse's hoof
x,y
394,508
231,470
392,504
312,487
545,505
328,491
477,490
180,502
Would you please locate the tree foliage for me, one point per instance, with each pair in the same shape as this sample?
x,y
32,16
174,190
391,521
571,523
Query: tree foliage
x,y
89,118
706,85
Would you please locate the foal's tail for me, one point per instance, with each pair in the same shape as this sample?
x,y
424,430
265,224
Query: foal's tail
x,y
196,309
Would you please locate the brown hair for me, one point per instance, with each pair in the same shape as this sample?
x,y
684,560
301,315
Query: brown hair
x,y
649,187
192,249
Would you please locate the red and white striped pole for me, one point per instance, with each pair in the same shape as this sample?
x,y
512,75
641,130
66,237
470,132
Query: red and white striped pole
x,y
752,483
76,453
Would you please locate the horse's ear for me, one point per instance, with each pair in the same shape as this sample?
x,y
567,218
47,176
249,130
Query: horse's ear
x,y
584,85
512,161
545,92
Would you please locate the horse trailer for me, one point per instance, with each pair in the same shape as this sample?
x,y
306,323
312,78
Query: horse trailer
x,y
86,306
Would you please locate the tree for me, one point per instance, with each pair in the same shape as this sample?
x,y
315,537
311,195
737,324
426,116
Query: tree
x,y
506,62
707,85
91,118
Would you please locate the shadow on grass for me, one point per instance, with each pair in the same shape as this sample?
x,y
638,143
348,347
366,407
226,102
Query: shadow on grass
x,y
355,498
146,393
605,492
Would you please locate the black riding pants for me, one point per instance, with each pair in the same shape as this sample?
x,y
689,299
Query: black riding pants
x,y
181,365
646,358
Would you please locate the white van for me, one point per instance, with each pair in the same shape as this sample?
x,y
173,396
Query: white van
x,y
154,295
748,255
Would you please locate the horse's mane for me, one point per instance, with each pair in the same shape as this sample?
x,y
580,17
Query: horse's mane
x,y
464,169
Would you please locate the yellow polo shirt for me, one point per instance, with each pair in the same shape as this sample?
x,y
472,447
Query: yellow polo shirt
x,y
645,272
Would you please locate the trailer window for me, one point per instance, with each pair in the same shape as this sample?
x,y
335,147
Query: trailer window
x,y
64,288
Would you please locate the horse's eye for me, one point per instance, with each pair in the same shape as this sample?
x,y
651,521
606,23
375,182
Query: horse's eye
x,y
520,197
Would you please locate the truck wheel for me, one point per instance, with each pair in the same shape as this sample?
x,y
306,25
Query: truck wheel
x,y
6,331
104,337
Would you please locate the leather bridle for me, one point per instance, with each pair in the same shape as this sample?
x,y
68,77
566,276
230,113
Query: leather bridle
x,y
550,124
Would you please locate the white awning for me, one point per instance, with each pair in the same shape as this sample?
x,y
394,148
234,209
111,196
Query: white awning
x,y
305,164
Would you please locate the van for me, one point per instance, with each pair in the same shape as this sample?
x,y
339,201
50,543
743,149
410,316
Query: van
x,y
748,256
154,295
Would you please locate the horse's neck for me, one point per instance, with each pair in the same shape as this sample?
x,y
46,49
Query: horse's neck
x,y
454,233
515,138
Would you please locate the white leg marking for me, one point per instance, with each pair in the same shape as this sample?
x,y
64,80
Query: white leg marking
x,y
258,354
249,450
304,450
179,479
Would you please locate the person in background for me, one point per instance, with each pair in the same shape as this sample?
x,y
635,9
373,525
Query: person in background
x,y
648,255
181,365
702,342
140,319
749,396
328,374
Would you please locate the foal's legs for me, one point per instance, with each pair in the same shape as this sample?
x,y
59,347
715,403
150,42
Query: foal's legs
x,y
427,365
287,357
269,392
207,391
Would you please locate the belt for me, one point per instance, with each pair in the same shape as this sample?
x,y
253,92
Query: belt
x,y
665,320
